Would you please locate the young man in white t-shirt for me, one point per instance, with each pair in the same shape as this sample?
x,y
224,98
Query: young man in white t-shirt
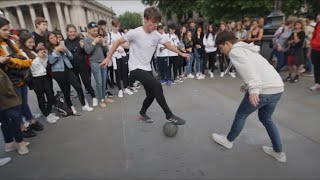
x,y
119,59
143,42
162,58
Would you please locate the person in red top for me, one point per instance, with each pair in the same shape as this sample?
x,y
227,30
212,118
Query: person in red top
x,y
315,55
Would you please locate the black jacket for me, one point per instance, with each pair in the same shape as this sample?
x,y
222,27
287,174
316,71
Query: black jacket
x,y
79,54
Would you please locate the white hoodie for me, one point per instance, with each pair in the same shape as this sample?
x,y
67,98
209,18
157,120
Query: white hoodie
x,y
209,43
38,67
258,75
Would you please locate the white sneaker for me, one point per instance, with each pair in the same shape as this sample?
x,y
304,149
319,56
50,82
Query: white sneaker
x,y
73,109
94,102
221,74
281,157
198,74
211,75
120,94
314,87
50,119
54,117
222,140
14,145
87,108
201,77
190,76
127,91
233,75
22,148
4,161
36,115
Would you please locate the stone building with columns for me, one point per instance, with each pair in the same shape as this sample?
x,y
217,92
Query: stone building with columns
x,y
58,13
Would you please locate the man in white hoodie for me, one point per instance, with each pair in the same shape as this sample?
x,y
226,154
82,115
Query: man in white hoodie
x,y
263,88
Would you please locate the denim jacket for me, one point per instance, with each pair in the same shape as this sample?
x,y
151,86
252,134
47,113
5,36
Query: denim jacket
x,y
57,61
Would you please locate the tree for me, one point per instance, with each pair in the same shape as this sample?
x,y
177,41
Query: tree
x,y
130,20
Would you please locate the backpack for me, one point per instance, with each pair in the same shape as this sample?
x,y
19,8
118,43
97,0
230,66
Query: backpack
x,y
61,105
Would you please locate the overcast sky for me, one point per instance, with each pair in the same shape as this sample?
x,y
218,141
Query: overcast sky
x,y
121,6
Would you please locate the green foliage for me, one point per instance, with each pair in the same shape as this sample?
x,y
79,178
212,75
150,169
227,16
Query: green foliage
x,y
130,20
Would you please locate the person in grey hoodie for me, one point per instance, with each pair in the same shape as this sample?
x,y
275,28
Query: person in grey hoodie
x,y
263,89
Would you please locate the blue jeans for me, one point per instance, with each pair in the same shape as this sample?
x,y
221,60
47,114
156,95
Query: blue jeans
x,y
11,124
265,109
189,63
25,109
163,67
281,62
100,75
199,60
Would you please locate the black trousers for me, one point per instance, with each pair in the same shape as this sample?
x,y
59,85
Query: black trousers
x,y
122,72
176,65
315,57
11,124
110,77
211,57
64,80
44,90
82,71
153,90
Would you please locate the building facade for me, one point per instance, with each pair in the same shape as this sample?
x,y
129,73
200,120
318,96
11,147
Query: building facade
x,y
58,13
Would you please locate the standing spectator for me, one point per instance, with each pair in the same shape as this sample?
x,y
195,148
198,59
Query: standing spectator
x,y
315,55
181,46
59,59
42,82
76,46
240,32
310,25
189,46
199,52
96,47
296,54
162,58
256,33
173,57
210,49
38,34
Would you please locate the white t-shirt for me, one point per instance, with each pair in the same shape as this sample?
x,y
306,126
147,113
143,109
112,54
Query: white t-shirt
x,y
113,37
142,47
164,52
174,40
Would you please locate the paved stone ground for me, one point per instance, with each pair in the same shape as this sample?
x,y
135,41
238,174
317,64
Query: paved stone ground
x,y
112,143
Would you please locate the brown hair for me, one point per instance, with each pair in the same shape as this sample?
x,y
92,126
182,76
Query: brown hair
x,y
152,13
300,21
115,22
40,20
224,36
70,26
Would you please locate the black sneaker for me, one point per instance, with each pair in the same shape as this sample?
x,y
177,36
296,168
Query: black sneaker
x,y
28,133
109,94
176,120
295,79
36,126
288,79
146,118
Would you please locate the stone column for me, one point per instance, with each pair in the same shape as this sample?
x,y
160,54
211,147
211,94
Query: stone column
x,y
20,16
46,15
7,14
60,18
33,15
66,13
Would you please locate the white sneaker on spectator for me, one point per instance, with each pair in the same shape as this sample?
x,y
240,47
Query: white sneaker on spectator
x,y
22,148
281,157
36,115
94,102
13,146
54,116
222,140
201,77
50,119
120,94
87,108
190,76
222,74
198,74
4,161
233,75
73,109
315,87
127,91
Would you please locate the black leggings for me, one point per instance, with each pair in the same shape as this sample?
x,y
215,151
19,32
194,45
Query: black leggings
x,y
65,79
122,72
85,77
211,57
45,95
153,90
